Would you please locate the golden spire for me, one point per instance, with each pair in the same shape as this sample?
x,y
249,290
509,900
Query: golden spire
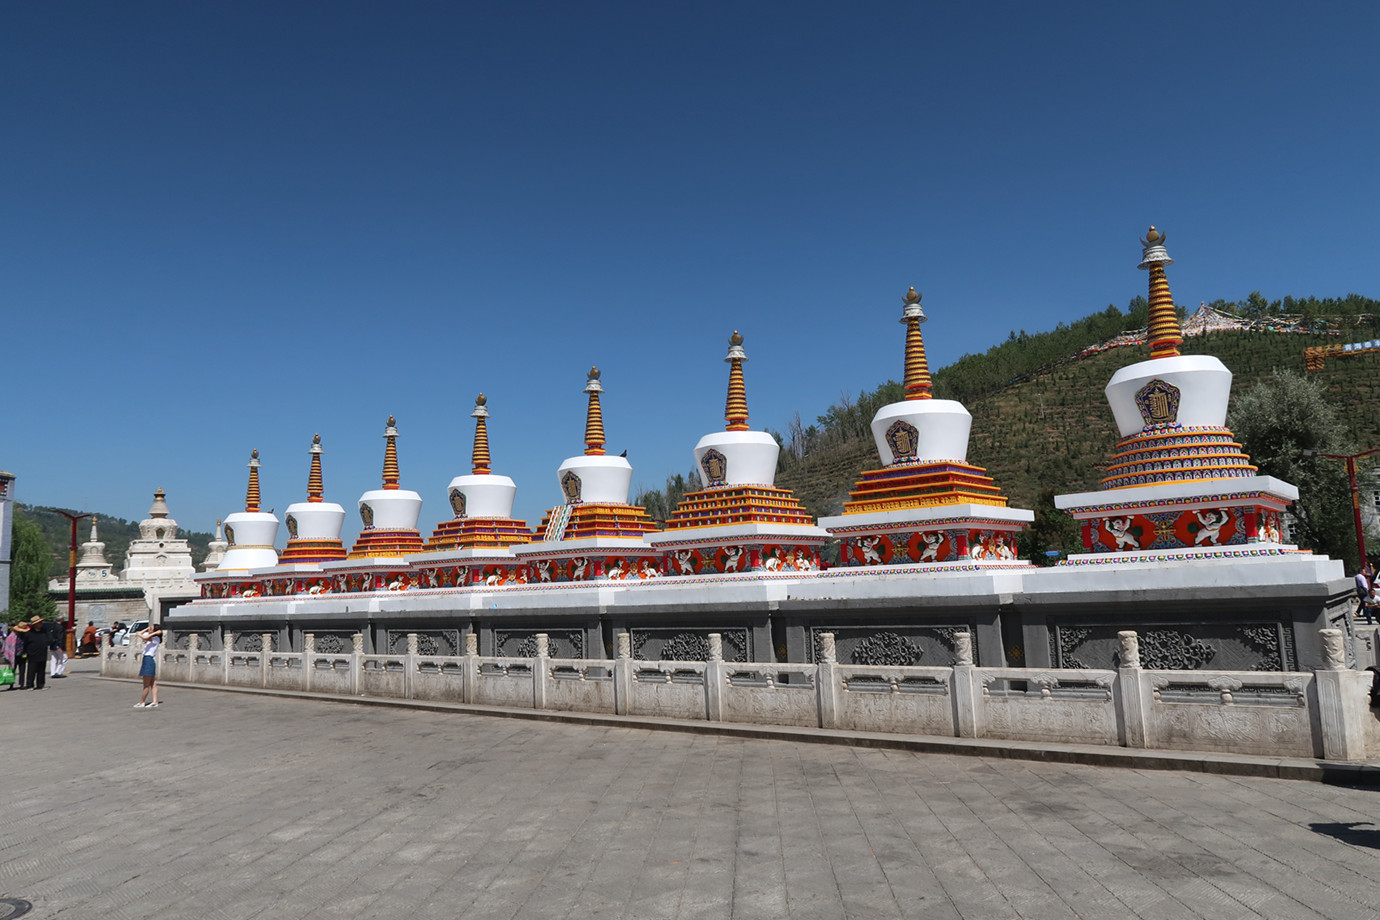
x,y
1164,335
594,416
917,383
736,410
251,495
314,486
390,455
480,457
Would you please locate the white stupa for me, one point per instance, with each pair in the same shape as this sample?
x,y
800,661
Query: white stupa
x,y
215,550
1179,483
595,533
927,504
739,521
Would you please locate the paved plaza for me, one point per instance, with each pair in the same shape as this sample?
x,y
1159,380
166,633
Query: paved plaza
x,y
229,805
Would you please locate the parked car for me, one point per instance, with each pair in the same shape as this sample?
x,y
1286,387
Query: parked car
x,y
137,626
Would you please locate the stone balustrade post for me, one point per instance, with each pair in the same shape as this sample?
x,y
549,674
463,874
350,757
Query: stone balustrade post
x,y
227,649
623,675
1341,696
714,679
826,681
357,664
308,650
409,688
540,667
193,647
1132,694
265,653
469,668
965,689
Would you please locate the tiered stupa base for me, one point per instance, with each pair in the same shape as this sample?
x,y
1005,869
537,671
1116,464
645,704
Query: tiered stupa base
x,y
922,485
739,528
739,504
478,533
377,542
1181,520
305,551
1173,453
939,513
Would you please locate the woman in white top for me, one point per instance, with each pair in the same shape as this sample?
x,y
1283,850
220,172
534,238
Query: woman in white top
x,y
148,670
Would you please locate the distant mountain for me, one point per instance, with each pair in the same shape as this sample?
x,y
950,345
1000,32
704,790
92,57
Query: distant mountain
x,y
115,533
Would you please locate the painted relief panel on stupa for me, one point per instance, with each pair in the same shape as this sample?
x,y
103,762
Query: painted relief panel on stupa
x,y
1158,403
904,439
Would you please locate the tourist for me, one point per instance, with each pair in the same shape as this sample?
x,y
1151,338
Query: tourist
x,y
1364,579
9,653
1370,606
88,640
36,641
148,670
57,648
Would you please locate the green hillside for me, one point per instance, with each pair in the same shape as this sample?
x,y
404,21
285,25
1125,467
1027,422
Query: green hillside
x,y
115,533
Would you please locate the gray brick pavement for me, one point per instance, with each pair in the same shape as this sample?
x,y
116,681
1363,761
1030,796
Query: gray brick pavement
x,y
220,805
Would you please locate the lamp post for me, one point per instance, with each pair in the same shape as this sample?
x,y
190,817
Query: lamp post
x,y
71,577
1355,491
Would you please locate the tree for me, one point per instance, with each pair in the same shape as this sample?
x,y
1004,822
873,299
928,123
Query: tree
x,y
661,504
1052,531
1276,421
30,561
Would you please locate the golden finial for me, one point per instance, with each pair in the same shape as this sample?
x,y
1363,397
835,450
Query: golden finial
x,y
481,399
315,488
594,416
913,296
736,407
1164,334
392,423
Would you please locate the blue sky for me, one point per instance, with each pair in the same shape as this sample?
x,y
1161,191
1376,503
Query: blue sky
x,y
262,220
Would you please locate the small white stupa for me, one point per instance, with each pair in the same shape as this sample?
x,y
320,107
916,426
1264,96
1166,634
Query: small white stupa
x,y
215,550
482,500
739,521
1179,483
251,533
595,533
314,525
93,566
927,504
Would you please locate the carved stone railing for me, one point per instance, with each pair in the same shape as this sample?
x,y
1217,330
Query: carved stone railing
x,y
1323,713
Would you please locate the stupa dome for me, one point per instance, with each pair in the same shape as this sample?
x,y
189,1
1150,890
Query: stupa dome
x,y
251,533
736,455
920,429
594,476
389,515
314,525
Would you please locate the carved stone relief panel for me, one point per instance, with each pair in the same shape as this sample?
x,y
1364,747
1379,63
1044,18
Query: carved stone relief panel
x,y
891,645
522,643
1180,647
689,644
444,642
